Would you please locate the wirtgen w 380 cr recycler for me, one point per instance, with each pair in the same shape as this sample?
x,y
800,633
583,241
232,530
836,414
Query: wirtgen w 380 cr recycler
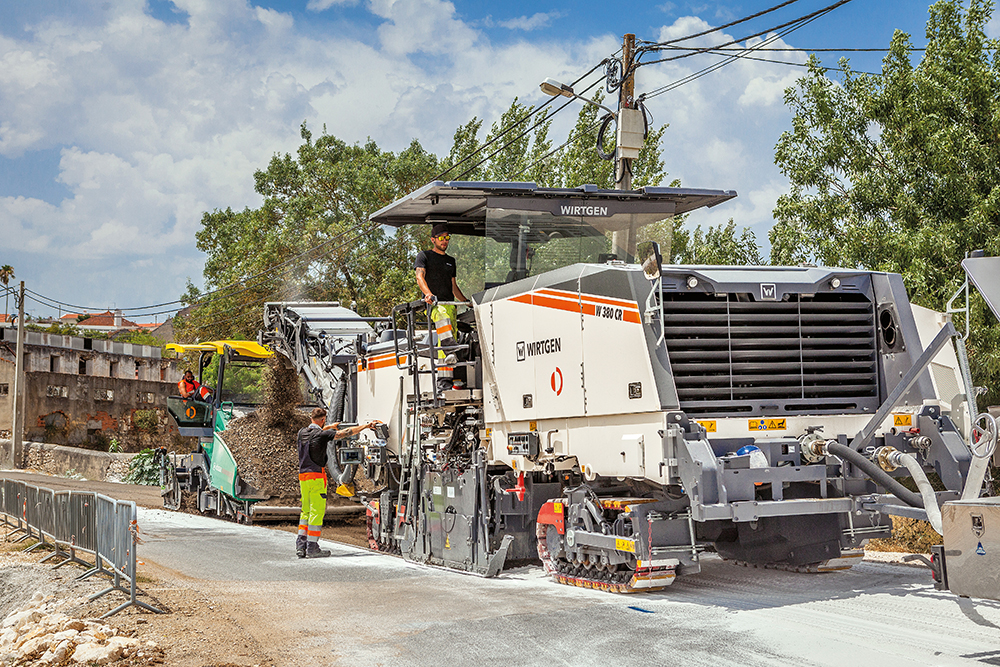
x,y
616,418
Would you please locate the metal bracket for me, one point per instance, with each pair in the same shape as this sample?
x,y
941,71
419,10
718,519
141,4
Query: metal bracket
x,y
863,438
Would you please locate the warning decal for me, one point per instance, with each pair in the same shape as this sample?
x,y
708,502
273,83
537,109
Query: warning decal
x,y
902,420
767,425
710,425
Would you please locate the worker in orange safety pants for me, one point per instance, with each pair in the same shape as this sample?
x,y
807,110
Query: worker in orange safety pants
x,y
188,387
312,444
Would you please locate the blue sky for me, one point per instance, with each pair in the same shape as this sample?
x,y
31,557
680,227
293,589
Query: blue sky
x,y
123,121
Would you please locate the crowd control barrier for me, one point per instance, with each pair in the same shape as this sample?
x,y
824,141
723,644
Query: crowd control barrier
x,y
77,521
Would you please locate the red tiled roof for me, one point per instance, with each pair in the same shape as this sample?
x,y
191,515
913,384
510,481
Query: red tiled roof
x,y
4,317
72,316
107,319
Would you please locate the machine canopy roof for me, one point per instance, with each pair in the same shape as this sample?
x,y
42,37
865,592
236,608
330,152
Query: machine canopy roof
x,y
984,272
244,348
464,204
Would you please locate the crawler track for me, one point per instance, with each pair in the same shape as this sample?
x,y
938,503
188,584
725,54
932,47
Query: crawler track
x,y
586,575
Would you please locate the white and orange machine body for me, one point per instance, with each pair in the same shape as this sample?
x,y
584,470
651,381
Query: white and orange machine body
x,y
615,418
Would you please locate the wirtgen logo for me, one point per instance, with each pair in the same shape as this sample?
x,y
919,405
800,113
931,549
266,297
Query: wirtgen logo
x,y
538,347
768,292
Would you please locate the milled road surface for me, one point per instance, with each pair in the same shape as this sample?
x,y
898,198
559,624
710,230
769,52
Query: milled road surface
x,y
362,608
359,608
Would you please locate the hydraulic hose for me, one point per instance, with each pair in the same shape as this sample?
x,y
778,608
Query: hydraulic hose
x,y
876,473
926,491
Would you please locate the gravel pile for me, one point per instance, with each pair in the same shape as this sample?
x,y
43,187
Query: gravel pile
x,y
263,442
41,633
266,455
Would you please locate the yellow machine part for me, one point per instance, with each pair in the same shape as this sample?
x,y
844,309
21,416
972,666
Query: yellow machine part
x,y
246,348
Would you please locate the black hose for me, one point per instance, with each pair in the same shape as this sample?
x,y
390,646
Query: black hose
x,y
876,473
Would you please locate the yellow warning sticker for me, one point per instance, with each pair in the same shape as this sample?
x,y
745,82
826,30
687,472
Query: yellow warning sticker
x,y
767,425
624,545
532,426
447,542
902,420
710,425
558,507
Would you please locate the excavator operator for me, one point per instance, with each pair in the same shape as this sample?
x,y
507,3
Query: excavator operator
x,y
312,444
190,388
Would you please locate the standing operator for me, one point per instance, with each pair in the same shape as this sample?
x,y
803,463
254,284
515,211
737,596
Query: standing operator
x,y
436,274
312,444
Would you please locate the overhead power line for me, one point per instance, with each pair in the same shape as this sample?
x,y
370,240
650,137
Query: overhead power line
x,y
721,27
795,23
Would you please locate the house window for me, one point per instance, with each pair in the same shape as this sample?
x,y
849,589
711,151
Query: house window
x,y
57,391
163,373
104,395
83,367
4,389
114,369
54,363
137,364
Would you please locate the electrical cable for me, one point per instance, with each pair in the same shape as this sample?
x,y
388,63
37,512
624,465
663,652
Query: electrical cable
x,y
729,59
220,289
793,48
791,64
509,143
808,18
517,123
722,27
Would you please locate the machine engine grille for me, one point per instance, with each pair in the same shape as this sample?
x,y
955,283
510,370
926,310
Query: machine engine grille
x,y
731,355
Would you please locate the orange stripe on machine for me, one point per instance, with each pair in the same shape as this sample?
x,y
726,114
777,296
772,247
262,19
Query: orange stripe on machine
x,y
587,304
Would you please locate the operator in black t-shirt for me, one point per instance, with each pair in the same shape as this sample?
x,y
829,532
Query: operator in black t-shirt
x,y
436,273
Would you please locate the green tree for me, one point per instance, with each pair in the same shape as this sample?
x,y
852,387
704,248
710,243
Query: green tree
x,y
313,227
717,246
6,275
901,172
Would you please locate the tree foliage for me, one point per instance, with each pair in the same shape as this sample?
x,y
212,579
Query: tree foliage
x,y
311,238
901,172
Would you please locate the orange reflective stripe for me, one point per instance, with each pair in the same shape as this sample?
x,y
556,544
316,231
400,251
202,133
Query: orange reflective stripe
x,y
313,533
443,329
311,475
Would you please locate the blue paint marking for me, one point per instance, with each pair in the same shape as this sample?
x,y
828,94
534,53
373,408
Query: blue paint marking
x,y
980,550
645,611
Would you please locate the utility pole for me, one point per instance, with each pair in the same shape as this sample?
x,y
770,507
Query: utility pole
x,y
17,418
630,139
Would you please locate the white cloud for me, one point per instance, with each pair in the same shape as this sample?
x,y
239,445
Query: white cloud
x,y
533,22
321,5
159,122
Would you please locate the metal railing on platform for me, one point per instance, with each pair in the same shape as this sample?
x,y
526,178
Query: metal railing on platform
x,y
77,521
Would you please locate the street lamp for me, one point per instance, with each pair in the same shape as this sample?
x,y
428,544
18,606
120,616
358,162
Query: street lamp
x,y
555,89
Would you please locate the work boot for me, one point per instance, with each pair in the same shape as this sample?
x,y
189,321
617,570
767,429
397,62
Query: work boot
x,y
313,551
300,546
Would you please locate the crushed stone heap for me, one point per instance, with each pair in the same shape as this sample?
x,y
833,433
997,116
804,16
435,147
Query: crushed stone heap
x,y
263,442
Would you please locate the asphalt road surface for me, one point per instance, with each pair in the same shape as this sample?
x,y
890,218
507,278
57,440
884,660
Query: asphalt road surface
x,y
362,608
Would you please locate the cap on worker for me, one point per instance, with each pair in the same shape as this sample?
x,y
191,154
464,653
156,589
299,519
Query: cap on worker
x,y
439,228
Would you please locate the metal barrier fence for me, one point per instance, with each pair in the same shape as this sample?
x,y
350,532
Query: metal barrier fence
x,y
72,521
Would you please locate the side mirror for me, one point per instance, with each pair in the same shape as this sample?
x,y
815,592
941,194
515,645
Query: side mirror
x,y
648,255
